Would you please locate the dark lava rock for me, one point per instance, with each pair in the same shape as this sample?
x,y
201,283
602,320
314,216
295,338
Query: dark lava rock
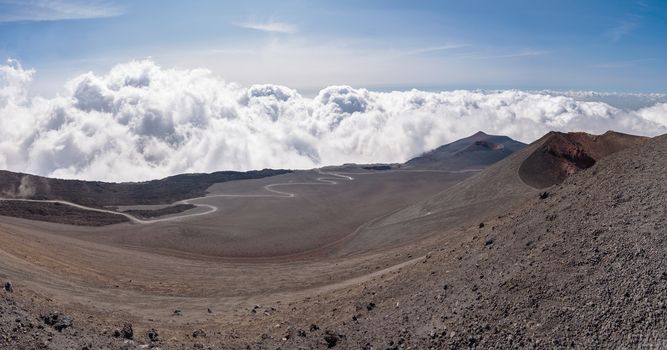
x,y
481,225
209,310
314,327
301,333
9,287
370,306
544,195
57,320
199,334
127,331
153,335
488,242
331,338
178,312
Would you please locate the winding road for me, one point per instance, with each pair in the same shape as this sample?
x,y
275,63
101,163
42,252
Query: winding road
x,y
328,178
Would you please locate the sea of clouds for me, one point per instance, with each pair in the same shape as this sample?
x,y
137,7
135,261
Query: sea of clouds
x,y
140,121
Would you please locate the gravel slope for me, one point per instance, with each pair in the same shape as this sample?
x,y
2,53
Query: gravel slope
x,y
585,267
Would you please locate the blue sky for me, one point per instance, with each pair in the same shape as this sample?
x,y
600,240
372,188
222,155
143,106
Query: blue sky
x,y
561,45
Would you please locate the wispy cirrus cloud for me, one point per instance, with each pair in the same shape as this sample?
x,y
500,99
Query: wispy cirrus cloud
x,y
524,53
624,28
270,26
55,10
516,54
429,49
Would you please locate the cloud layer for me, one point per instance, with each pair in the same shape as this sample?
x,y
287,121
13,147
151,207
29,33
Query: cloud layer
x,y
140,121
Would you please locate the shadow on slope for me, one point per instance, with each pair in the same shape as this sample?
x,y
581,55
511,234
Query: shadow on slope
x,y
101,194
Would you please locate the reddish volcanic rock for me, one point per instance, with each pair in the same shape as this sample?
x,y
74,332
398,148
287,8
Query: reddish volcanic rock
x,y
563,154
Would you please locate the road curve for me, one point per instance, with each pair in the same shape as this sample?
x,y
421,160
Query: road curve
x,y
328,178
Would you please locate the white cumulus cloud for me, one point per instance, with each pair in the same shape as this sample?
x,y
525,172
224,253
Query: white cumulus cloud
x,y
656,113
141,121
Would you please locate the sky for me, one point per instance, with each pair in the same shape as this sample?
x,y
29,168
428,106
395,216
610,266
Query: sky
x,y
138,90
383,45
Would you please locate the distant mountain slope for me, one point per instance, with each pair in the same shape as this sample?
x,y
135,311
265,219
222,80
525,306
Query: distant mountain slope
x,y
562,154
491,192
487,193
100,194
474,152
